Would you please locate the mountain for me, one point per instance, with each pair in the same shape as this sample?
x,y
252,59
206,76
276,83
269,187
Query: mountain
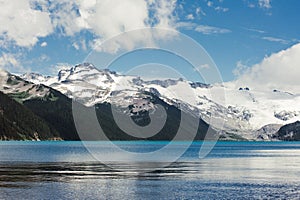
x,y
20,89
57,112
55,109
267,132
247,113
19,123
289,132
194,128
81,82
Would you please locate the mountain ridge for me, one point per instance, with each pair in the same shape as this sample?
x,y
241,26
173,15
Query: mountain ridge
x,y
20,123
92,87
55,109
245,110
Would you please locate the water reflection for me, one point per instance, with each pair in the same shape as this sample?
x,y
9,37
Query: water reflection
x,y
211,178
64,172
231,171
250,168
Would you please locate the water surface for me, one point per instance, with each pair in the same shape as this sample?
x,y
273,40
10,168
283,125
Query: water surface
x,y
66,170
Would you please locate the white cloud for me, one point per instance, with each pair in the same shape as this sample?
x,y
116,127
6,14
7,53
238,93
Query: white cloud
x,y
106,19
190,17
221,9
251,5
80,44
264,4
209,3
211,30
28,20
83,44
22,24
135,39
113,17
10,63
240,69
216,7
60,66
279,71
201,67
163,13
200,11
109,18
205,29
44,44
255,30
274,39
76,45
8,59
44,58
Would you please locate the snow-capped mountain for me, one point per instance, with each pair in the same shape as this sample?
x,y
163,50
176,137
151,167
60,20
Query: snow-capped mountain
x,y
21,89
244,110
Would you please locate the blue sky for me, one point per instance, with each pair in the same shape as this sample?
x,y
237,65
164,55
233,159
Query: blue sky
x,y
237,33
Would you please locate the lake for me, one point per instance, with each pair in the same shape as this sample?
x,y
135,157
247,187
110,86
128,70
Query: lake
x,y
70,170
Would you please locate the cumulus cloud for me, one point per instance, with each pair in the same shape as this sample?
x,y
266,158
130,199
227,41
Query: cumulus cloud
x,y
278,71
162,13
28,20
104,18
109,18
22,24
133,39
240,69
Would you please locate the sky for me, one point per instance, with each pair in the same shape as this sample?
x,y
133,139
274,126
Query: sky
x,y
247,40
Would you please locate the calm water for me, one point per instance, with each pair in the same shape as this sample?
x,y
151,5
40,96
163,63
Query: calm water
x,y
66,170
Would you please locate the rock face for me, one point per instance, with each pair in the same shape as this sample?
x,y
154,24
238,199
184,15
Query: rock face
x,y
286,115
194,128
268,132
289,132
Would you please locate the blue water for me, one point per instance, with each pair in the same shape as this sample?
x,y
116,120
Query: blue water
x,y
68,170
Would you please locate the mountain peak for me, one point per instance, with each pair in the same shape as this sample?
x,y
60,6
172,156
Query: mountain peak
x,y
64,74
83,66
